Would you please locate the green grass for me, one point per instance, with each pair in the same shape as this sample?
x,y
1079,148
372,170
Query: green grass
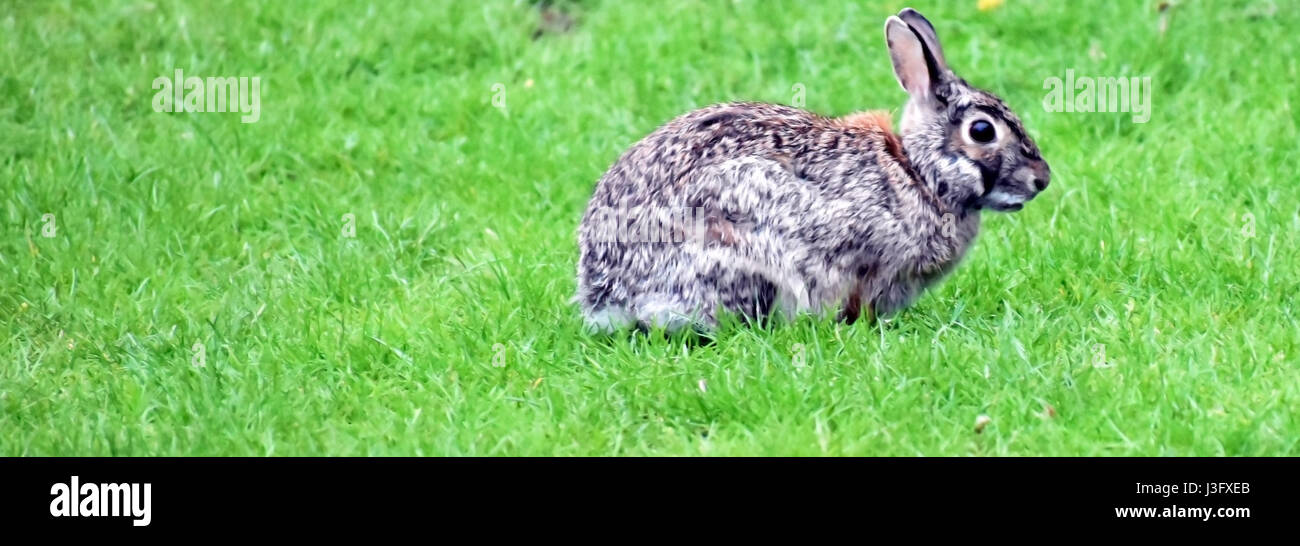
x,y
444,327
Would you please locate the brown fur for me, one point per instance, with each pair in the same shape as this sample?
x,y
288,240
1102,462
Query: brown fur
x,y
881,123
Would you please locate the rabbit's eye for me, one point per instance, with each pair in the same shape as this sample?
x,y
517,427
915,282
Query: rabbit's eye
x,y
982,131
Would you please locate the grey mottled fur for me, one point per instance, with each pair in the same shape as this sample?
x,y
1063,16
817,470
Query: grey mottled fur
x,y
758,208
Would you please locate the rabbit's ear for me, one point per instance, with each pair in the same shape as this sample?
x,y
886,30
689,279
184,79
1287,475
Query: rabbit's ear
x,y
925,30
914,66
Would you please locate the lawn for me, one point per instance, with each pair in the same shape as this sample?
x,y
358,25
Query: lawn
x,y
382,263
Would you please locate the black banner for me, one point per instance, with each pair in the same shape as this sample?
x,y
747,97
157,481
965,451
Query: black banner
x,y
150,496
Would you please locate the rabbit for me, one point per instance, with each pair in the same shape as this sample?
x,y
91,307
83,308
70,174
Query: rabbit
x,y
762,209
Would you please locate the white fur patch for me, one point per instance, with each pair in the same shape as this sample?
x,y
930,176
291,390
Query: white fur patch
x,y
665,313
607,320
1003,199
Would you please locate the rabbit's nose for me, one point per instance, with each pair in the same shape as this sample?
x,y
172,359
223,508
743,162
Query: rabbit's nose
x,y
1041,175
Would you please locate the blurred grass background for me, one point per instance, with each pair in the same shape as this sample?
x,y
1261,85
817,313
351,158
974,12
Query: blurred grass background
x,y
1143,305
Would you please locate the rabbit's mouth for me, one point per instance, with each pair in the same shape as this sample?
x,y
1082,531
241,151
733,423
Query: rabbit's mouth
x,y
1003,201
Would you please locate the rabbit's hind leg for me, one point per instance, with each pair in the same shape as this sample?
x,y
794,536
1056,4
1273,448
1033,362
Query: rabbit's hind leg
x,y
696,302
608,319
751,296
672,313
